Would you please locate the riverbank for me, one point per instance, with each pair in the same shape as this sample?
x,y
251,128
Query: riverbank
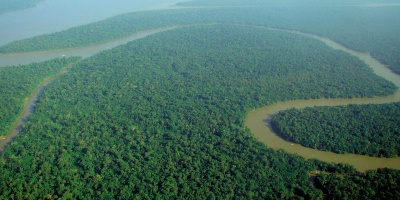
x,y
258,121
58,15
29,108
84,52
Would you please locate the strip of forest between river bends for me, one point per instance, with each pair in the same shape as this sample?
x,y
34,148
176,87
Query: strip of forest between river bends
x,y
346,25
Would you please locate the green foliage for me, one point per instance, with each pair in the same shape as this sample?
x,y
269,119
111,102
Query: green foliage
x,y
162,117
18,82
116,27
375,184
366,29
361,129
338,168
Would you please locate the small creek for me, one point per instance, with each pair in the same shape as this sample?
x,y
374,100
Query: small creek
x,y
29,108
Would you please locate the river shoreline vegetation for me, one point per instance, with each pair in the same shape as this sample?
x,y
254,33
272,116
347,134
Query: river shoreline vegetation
x,y
162,117
18,82
361,129
366,29
375,184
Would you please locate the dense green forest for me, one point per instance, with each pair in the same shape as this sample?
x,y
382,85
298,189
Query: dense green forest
x,y
361,129
366,29
162,118
11,5
375,184
18,82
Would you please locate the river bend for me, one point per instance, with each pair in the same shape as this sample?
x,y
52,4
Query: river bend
x,y
258,121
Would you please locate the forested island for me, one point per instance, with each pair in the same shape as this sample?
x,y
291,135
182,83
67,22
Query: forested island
x,y
361,129
162,117
18,82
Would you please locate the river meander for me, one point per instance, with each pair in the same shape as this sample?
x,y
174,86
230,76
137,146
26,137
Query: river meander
x,y
258,121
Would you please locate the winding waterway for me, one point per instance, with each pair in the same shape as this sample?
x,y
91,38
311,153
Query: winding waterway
x,y
258,121
28,110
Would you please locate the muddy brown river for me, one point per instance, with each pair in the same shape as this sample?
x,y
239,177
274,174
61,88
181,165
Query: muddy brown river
x,y
258,121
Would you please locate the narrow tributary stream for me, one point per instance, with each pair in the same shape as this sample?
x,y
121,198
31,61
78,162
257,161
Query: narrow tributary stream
x,y
28,110
84,52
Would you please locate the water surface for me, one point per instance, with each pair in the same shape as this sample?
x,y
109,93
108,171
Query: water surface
x,y
29,108
84,52
258,121
56,15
